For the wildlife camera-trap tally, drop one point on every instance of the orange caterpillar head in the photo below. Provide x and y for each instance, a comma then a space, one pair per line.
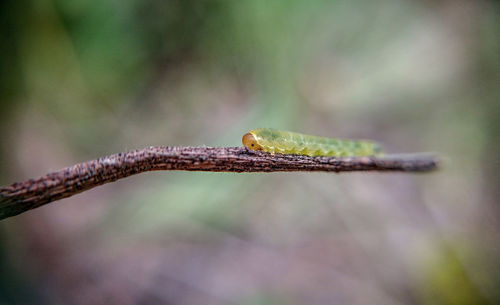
250, 142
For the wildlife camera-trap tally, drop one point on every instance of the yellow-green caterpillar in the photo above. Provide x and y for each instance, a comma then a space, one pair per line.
286, 142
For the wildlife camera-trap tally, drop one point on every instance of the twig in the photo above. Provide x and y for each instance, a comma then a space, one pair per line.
23, 196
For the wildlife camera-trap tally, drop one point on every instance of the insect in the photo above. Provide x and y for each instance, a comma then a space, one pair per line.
286, 142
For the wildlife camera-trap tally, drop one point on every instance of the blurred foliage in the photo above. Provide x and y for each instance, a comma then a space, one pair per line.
81, 79
446, 281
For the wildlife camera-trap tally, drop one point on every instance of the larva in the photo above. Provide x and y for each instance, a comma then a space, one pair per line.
286, 142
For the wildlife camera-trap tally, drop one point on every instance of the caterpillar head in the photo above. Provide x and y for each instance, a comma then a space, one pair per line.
250, 142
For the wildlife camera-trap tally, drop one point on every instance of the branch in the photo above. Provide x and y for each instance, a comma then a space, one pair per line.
23, 196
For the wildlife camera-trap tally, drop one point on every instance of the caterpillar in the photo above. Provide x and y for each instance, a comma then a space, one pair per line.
285, 142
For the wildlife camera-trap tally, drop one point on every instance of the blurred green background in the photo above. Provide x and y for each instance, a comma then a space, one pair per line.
82, 79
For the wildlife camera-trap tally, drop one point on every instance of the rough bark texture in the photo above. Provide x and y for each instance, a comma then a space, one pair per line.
23, 196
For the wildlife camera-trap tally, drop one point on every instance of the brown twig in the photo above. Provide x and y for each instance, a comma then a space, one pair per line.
23, 196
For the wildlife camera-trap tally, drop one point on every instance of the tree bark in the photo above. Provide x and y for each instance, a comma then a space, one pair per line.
23, 196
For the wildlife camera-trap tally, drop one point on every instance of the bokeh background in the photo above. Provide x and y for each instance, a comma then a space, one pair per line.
82, 79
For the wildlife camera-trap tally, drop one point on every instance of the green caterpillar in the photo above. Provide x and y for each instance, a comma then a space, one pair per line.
286, 142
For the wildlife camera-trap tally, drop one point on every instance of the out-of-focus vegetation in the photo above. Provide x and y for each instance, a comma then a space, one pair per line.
81, 79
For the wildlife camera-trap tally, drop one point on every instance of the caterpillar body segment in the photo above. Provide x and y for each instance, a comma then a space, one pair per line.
286, 142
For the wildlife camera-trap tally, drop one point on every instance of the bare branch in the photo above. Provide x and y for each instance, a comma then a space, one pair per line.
23, 196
